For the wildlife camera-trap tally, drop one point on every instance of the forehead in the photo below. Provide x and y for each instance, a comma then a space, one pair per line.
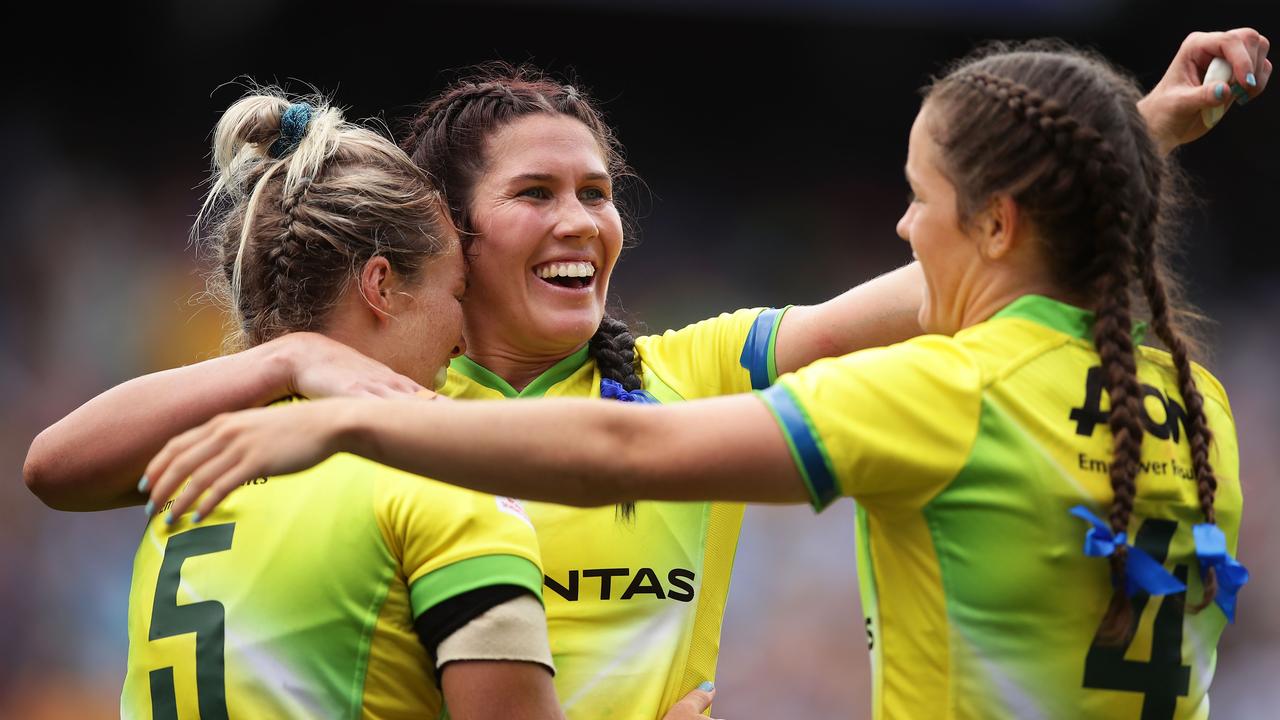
542, 143
921, 147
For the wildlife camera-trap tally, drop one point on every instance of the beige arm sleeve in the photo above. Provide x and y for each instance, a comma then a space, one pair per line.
515, 630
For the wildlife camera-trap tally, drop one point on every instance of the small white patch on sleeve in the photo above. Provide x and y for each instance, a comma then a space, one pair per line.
511, 506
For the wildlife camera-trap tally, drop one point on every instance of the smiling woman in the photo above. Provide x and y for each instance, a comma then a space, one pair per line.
547, 235
634, 598
972, 455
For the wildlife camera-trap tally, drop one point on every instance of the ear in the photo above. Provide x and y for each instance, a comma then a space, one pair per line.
997, 227
375, 289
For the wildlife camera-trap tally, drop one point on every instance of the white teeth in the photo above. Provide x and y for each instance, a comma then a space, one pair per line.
565, 269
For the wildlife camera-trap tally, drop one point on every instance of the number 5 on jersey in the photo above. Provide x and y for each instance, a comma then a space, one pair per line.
204, 618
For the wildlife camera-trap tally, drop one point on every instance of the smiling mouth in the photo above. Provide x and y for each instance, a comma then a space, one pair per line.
571, 275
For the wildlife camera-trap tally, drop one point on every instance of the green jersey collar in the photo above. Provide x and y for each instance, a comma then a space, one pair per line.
1066, 319
556, 373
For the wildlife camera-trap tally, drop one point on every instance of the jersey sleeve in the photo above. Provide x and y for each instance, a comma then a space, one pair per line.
450, 541
731, 353
889, 426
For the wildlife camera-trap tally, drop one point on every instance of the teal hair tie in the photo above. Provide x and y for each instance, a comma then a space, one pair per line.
293, 126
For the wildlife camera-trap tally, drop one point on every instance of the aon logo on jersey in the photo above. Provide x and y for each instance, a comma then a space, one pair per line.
1090, 414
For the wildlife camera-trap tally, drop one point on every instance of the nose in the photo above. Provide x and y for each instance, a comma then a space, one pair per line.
575, 221
904, 225
459, 349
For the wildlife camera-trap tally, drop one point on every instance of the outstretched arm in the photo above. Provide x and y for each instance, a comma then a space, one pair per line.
883, 311
94, 458
576, 452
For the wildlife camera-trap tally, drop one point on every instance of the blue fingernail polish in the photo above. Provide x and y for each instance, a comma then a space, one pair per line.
707, 686
1251, 80
143, 483
168, 518
196, 517
1219, 91
151, 505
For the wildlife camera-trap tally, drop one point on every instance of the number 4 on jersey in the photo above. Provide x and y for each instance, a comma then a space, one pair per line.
204, 618
1163, 678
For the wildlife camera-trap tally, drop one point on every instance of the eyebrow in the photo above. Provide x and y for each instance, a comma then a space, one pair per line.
548, 177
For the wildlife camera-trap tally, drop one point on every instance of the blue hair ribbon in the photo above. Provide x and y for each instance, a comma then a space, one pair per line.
1211, 549
293, 126
612, 390
1142, 572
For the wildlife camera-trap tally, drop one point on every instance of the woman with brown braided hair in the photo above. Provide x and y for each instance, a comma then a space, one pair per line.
635, 596
1040, 203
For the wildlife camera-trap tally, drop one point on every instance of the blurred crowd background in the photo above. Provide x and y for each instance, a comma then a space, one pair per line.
770, 136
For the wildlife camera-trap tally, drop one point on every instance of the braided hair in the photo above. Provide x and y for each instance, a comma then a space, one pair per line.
447, 139
289, 220
1058, 130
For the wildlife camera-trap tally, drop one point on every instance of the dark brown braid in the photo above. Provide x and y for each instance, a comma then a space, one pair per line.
448, 140
1104, 185
613, 348
1059, 132
1152, 273
1112, 334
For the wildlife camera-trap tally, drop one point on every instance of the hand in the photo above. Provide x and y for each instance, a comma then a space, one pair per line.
1172, 108
321, 367
692, 706
234, 448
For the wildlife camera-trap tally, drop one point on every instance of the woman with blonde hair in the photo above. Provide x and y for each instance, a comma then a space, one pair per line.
981, 455
352, 589
635, 595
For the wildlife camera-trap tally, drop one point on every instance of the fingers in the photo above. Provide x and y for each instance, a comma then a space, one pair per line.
200, 457
203, 477
1263, 73
197, 453
222, 486
1235, 50
694, 704
1246, 50
162, 479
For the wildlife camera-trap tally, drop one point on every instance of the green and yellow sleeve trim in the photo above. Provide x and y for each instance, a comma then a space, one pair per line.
758, 352
466, 575
806, 446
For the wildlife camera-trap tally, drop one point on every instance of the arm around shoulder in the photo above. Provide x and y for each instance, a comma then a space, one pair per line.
879, 312
93, 458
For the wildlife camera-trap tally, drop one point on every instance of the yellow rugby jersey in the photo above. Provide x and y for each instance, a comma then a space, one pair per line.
964, 455
296, 598
634, 608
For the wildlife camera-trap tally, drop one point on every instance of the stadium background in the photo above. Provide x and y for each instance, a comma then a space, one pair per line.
770, 134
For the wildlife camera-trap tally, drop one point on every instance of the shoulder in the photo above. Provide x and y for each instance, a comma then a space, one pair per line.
931, 376
1001, 346
729, 353
1210, 387
927, 356
737, 323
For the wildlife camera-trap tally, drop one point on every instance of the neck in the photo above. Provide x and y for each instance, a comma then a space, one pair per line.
993, 297
517, 368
